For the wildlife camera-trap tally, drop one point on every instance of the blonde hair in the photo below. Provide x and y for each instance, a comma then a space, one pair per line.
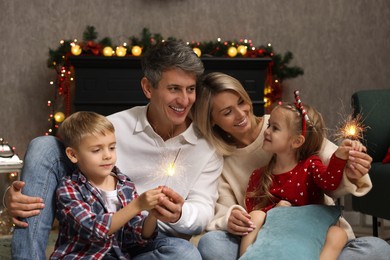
81, 124
211, 85
314, 138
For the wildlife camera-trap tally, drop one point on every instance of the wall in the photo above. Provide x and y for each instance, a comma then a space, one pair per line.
342, 45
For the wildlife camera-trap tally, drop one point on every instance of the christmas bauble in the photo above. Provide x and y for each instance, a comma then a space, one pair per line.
242, 49
107, 51
59, 117
120, 51
136, 50
76, 50
232, 51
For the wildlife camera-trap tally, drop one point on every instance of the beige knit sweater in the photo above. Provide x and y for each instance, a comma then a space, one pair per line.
239, 166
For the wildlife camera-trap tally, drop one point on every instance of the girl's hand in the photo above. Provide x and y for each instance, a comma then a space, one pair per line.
283, 203
239, 223
348, 145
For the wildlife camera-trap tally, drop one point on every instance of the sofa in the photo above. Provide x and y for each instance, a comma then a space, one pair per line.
374, 107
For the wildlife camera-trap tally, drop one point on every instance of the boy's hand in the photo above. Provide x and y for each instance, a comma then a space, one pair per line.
149, 199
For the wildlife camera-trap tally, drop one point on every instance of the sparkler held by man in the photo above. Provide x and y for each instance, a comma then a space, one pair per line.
171, 169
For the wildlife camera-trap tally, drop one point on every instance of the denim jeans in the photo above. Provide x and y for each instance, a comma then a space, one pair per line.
223, 245
165, 247
45, 164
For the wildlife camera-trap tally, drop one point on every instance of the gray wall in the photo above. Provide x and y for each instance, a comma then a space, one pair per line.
342, 45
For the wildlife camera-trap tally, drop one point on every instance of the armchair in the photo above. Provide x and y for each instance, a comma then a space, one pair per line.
374, 106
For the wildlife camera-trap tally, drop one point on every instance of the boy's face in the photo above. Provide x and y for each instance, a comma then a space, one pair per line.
95, 156
171, 101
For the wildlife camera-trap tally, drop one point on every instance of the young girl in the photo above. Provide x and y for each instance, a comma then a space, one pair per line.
295, 175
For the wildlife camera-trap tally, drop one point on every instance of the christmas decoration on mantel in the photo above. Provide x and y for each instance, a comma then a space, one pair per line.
278, 71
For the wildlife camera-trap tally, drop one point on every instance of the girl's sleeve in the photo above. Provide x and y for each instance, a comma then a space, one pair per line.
358, 187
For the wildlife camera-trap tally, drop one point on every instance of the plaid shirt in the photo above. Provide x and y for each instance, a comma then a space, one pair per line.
85, 221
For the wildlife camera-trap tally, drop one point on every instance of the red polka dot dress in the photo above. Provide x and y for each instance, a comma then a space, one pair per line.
302, 185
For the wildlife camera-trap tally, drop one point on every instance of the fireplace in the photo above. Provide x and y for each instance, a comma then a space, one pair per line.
110, 84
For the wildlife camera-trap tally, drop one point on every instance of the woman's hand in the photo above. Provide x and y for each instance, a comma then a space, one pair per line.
358, 164
239, 223
21, 206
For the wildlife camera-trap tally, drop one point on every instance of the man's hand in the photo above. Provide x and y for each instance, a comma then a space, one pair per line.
21, 206
240, 223
169, 208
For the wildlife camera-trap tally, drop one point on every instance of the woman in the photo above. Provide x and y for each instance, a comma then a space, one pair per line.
224, 115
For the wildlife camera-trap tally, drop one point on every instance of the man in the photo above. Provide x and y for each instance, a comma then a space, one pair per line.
149, 139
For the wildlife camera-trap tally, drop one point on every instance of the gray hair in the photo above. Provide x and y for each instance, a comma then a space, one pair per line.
167, 55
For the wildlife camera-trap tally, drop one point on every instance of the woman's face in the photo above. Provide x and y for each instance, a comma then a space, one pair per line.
230, 112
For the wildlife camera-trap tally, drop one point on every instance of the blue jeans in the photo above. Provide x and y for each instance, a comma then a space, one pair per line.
166, 247
45, 164
223, 245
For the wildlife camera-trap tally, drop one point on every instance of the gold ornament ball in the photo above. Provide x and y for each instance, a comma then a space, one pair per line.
232, 51
136, 50
59, 117
197, 51
120, 51
242, 49
108, 51
76, 50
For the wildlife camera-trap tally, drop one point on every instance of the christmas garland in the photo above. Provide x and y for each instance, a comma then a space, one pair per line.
279, 68
229, 49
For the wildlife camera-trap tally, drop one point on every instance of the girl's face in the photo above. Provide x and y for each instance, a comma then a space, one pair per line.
230, 112
278, 137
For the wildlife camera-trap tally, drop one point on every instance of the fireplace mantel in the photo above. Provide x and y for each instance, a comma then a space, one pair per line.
110, 84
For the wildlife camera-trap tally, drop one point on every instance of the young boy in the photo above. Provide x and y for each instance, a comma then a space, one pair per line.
97, 206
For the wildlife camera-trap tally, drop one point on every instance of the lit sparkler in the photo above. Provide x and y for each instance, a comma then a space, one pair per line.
171, 169
352, 128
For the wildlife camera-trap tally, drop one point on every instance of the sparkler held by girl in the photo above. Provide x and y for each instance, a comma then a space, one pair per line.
351, 128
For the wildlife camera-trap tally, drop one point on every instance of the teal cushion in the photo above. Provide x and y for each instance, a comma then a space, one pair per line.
293, 233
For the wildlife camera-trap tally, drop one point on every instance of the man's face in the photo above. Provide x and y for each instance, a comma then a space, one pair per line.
172, 99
